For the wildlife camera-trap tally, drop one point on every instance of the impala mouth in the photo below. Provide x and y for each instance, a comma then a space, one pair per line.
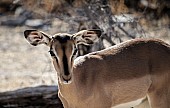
66, 79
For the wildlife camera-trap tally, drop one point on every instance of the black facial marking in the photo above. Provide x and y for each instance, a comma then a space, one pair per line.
62, 39
65, 63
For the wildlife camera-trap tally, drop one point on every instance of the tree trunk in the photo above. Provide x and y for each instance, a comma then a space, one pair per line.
32, 97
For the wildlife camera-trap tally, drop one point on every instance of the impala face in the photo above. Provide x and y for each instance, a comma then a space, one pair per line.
63, 48
63, 51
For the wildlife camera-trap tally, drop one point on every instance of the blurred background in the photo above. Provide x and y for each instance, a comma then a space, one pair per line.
22, 65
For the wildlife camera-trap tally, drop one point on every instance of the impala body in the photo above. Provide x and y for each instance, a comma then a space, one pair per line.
120, 74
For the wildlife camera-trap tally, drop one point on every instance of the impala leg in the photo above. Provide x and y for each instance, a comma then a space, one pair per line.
159, 92
144, 104
158, 99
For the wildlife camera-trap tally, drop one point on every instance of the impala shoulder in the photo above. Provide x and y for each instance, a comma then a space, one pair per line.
79, 61
82, 60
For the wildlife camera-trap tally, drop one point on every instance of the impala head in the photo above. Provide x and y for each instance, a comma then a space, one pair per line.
63, 48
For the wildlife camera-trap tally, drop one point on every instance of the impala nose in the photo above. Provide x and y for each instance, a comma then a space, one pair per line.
66, 78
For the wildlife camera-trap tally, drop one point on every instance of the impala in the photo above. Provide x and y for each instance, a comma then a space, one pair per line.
120, 74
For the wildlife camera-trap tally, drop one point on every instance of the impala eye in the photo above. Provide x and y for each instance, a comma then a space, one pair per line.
53, 55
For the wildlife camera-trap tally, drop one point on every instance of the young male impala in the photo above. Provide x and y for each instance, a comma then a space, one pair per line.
120, 74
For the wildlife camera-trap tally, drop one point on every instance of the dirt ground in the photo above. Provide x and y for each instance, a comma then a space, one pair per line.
22, 65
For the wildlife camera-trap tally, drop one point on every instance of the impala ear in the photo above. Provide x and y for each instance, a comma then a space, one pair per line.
87, 36
35, 37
